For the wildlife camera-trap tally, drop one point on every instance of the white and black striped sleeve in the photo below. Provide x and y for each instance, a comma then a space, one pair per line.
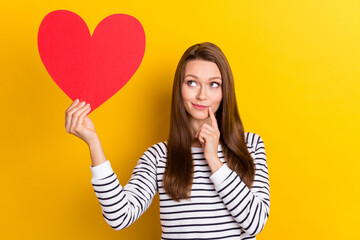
121, 206
250, 208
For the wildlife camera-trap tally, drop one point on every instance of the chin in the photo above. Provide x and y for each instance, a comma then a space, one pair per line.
199, 116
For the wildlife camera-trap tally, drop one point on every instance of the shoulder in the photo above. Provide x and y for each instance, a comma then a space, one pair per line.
154, 154
158, 149
256, 148
253, 140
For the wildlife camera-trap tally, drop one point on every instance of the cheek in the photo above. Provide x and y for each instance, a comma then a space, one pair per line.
186, 94
216, 101
185, 98
183, 95
217, 98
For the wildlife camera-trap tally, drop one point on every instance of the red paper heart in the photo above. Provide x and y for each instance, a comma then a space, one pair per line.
91, 68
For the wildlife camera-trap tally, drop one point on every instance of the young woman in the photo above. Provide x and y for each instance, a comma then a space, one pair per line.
212, 177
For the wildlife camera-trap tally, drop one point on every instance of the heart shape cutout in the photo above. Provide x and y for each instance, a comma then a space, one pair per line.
90, 68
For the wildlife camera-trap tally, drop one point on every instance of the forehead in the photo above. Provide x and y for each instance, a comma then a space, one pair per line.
202, 68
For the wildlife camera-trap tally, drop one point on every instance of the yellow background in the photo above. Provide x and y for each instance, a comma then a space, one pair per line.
296, 67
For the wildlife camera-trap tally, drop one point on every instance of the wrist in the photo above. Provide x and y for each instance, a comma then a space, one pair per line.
96, 152
214, 163
93, 142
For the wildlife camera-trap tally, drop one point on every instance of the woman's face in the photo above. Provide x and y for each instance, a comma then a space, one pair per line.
202, 88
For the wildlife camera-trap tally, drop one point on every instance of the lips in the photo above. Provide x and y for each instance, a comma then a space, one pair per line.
200, 107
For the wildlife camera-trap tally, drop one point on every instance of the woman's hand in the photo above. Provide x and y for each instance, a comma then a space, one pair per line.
209, 138
78, 123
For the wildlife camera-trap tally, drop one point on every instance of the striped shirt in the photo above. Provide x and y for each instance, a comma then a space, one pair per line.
221, 205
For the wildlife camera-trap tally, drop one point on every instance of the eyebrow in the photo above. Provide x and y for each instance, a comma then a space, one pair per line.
190, 75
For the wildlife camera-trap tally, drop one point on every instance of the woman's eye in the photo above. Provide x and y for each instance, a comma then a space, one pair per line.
191, 83
215, 84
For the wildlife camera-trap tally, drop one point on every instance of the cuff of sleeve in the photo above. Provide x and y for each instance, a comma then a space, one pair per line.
220, 175
102, 170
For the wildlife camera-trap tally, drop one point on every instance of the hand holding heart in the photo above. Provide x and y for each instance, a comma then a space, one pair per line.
78, 123
209, 138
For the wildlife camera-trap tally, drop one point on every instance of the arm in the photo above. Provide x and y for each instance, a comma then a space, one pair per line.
121, 206
249, 207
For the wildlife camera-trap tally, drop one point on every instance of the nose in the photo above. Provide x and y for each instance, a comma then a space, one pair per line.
202, 94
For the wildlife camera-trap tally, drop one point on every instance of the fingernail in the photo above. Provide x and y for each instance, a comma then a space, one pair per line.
76, 100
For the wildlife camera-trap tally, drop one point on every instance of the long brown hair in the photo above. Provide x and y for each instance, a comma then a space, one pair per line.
178, 173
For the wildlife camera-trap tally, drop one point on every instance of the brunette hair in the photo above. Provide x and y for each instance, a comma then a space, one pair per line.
178, 175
